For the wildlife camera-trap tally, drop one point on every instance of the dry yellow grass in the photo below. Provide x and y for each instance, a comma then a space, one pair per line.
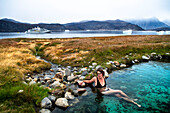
15, 62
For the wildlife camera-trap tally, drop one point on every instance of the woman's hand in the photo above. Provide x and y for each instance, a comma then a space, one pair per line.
80, 82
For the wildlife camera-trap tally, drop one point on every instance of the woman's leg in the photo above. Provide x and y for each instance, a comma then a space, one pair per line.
120, 94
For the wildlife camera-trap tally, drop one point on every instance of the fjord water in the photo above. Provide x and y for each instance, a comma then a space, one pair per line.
147, 82
71, 34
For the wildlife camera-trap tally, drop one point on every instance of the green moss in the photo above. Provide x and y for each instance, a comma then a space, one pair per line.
21, 102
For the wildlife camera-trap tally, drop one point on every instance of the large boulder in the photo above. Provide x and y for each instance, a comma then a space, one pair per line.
46, 103
68, 95
62, 102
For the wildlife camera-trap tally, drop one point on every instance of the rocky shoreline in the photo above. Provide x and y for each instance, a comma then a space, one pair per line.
62, 82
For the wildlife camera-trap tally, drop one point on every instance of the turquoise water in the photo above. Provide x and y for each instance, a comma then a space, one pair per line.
147, 82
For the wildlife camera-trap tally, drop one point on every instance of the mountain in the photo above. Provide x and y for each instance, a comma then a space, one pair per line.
9, 25
150, 23
10, 20
167, 22
102, 25
162, 29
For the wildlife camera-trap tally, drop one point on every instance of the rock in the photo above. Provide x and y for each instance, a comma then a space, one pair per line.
94, 64
47, 78
116, 63
67, 72
75, 101
20, 91
46, 103
81, 89
63, 86
83, 69
75, 92
62, 102
55, 84
24, 82
85, 93
45, 111
123, 65
106, 73
123, 87
32, 82
82, 78
71, 78
97, 67
52, 98
35, 79
68, 95
51, 70
84, 73
145, 58
58, 92
108, 63
136, 61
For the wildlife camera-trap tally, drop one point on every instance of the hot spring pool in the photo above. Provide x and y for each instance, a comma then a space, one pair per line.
147, 82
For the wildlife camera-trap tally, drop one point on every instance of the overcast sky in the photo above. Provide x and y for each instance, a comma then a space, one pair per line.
64, 11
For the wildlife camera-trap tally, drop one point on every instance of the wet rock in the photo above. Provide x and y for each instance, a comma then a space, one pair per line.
145, 58
75, 92
46, 103
52, 98
116, 63
81, 89
68, 95
84, 73
32, 82
85, 93
45, 111
136, 61
123, 87
62, 102
123, 65
106, 73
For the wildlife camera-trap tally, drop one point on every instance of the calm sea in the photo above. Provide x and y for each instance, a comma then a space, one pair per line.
71, 34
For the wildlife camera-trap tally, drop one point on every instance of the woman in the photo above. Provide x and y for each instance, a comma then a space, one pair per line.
100, 84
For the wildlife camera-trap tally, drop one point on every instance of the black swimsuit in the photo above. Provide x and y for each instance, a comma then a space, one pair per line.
99, 85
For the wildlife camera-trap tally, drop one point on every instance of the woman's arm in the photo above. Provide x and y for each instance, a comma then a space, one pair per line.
88, 81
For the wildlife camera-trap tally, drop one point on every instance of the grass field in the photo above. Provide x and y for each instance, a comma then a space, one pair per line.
18, 58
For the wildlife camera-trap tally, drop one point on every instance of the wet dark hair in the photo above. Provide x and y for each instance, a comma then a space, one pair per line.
100, 70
